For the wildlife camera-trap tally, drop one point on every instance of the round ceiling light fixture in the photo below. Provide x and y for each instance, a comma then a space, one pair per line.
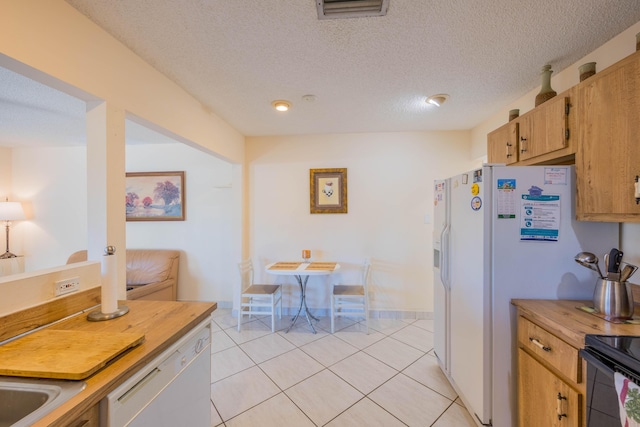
281, 105
438, 99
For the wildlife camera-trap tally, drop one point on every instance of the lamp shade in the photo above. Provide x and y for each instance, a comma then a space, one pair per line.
11, 211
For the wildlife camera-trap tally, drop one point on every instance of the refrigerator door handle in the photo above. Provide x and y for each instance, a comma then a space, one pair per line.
444, 256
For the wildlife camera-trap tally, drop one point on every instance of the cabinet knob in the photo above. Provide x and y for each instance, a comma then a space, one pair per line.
508, 151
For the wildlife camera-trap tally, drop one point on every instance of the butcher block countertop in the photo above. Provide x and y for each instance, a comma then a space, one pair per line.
161, 322
563, 318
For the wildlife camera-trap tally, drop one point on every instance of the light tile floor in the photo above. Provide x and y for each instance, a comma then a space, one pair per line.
387, 378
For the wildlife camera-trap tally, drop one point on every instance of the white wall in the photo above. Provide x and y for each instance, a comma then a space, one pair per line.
54, 44
5, 173
38, 287
5, 188
52, 184
390, 190
5, 183
209, 238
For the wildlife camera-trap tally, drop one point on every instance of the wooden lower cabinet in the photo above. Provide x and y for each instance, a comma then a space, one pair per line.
545, 400
551, 390
89, 418
550, 334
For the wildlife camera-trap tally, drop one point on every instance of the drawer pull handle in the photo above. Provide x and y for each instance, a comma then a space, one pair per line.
539, 344
559, 407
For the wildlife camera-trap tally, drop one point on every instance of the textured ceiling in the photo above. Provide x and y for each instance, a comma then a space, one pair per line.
368, 74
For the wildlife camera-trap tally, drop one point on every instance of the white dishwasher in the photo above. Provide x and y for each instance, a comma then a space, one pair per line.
173, 390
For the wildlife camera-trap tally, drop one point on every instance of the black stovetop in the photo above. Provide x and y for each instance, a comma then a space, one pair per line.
621, 349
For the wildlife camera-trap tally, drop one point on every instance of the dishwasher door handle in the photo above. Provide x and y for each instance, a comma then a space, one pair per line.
132, 391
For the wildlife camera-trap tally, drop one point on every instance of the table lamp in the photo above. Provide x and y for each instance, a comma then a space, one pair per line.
10, 211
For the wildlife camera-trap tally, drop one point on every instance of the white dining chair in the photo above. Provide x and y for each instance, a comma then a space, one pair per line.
352, 300
257, 298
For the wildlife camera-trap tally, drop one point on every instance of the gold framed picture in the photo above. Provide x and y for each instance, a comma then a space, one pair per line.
155, 196
328, 190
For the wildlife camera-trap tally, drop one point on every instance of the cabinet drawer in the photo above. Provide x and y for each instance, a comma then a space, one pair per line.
550, 349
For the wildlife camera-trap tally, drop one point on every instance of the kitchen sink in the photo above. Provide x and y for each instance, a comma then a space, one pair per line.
25, 400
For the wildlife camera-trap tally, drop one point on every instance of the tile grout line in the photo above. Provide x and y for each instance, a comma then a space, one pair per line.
442, 414
283, 391
425, 385
328, 367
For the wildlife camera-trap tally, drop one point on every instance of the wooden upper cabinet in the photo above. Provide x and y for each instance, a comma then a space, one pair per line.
542, 135
545, 130
502, 144
608, 157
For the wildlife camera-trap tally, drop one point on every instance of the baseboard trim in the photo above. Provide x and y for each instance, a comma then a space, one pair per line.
325, 312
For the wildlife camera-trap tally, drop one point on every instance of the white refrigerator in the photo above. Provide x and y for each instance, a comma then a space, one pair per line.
501, 233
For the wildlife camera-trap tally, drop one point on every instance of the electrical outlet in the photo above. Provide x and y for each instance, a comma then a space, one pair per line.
66, 286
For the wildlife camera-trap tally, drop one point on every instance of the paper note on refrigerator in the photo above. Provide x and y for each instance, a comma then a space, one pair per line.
506, 198
556, 176
540, 217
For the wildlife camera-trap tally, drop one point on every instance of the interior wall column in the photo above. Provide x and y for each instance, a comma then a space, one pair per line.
106, 185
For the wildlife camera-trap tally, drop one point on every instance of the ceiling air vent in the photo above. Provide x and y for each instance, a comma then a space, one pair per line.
335, 9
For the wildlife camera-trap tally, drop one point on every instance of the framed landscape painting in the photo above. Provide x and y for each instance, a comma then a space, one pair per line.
328, 191
155, 196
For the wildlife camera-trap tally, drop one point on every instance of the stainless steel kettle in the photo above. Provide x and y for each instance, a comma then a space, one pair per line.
613, 298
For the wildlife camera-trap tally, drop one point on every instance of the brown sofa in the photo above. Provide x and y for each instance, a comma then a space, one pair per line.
152, 274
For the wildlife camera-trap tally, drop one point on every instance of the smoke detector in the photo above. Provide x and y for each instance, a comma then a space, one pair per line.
336, 9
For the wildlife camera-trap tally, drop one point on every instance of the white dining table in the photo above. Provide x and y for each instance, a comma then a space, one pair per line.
301, 271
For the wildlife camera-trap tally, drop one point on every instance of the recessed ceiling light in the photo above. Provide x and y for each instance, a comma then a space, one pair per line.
281, 105
437, 100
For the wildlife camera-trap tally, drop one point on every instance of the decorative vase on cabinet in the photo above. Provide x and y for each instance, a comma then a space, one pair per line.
587, 70
546, 93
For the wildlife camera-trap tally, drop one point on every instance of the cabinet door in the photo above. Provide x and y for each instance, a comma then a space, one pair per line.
608, 157
544, 129
544, 400
502, 144
89, 418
